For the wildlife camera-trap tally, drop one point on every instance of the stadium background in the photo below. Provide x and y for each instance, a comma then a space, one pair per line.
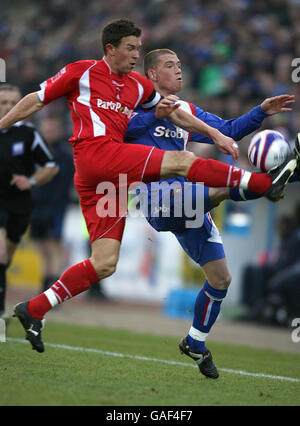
234, 53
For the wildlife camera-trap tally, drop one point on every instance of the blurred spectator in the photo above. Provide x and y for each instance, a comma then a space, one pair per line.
283, 296
51, 202
271, 289
25, 162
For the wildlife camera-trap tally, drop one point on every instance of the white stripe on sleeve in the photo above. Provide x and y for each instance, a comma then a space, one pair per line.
38, 141
153, 102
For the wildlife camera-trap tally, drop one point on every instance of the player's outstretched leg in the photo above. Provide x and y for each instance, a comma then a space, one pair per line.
32, 326
73, 281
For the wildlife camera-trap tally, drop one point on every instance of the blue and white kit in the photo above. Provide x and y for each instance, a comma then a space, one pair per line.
203, 244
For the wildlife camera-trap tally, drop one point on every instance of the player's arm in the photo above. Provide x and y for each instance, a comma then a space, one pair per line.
235, 128
44, 175
168, 108
62, 84
192, 124
24, 108
244, 125
40, 177
142, 120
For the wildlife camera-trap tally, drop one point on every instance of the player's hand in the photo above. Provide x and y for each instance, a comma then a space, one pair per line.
166, 106
226, 145
277, 104
21, 182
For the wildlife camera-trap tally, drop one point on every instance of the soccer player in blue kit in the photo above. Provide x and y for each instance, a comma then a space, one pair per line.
203, 244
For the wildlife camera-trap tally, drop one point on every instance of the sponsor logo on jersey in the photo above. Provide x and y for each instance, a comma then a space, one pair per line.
58, 75
115, 106
168, 133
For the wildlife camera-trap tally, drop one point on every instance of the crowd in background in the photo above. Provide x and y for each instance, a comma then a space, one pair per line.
234, 53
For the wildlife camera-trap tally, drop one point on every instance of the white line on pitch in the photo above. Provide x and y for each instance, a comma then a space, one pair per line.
163, 361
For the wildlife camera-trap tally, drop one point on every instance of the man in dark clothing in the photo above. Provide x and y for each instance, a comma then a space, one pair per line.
284, 286
51, 202
271, 292
25, 161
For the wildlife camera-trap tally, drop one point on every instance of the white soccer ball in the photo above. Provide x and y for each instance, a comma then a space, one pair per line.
267, 150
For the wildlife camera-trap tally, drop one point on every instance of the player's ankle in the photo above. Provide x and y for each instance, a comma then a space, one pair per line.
39, 306
196, 345
259, 183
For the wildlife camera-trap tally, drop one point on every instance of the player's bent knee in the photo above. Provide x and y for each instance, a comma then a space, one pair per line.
177, 163
108, 270
105, 255
105, 268
220, 281
105, 271
223, 282
184, 161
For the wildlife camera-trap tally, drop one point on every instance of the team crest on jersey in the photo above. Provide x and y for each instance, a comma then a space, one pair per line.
114, 106
18, 148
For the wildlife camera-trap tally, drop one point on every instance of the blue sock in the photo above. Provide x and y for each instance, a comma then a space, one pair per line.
206, 310
238, 194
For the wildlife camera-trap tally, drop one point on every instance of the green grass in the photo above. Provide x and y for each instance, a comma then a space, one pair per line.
64, 377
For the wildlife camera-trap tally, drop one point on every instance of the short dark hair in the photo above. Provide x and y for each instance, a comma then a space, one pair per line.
9, 87
151, 58
114, 31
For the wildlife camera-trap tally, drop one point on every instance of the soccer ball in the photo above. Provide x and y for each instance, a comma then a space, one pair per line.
267, 150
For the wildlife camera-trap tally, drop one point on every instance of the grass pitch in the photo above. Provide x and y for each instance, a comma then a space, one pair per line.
141, 370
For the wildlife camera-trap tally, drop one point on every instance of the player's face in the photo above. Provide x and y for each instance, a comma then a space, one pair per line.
126, 55
8, 99
168, 75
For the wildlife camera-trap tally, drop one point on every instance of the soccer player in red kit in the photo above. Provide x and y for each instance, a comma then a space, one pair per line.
102, 95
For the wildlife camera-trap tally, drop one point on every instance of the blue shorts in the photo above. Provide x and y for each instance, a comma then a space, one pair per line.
202, 244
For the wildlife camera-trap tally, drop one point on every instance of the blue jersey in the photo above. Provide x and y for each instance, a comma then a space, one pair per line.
145, 129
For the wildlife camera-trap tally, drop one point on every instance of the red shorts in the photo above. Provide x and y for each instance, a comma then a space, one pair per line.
103, 172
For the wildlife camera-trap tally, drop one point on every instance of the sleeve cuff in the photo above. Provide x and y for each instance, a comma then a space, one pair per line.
41, 92
260, 112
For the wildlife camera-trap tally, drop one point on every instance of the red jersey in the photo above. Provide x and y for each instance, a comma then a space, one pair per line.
101, 101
